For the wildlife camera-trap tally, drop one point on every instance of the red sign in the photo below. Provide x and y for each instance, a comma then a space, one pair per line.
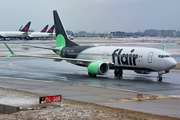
49, 99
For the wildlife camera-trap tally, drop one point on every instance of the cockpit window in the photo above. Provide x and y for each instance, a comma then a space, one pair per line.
164, 56
167, 56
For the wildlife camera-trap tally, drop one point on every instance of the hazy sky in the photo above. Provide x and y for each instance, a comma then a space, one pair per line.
92, 15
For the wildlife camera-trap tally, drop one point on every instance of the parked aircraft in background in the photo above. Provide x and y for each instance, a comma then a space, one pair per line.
51, 30
21, 28
100, 59
42, 35
37, 33
45, 28
16, 34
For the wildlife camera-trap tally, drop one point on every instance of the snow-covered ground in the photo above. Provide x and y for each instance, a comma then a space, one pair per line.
70, 110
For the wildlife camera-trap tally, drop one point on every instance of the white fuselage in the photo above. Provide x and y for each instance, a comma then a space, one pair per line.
41, 35
10, 34
130, 57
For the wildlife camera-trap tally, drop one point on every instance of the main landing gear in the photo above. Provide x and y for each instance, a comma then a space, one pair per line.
91, 75
118, 72
159, 78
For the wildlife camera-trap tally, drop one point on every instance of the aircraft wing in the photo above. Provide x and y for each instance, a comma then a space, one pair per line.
75, 61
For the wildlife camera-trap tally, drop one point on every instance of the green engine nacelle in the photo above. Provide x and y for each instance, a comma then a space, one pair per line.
98, 68
142, 71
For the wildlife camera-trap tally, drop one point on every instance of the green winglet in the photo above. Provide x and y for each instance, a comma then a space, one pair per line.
164, 47
12, 53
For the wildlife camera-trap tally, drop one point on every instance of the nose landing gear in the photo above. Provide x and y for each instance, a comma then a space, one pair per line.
159, 78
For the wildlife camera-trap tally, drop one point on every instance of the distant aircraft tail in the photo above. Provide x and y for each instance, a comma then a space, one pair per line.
26, 27
44, 29
164, 47
20, 28
61, 36
51, 30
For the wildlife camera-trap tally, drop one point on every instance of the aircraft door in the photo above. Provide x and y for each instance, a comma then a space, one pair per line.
150, 57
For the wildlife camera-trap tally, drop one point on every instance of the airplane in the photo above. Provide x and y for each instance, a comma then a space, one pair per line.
42, 31
100, 59
37, 35
16, 34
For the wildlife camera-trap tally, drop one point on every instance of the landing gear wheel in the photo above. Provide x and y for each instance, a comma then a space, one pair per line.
118, 72
159, 78
91, 75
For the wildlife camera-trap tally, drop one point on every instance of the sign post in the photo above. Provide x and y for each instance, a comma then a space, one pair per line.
50, 99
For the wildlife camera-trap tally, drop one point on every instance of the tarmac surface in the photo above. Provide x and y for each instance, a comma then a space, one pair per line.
46, 76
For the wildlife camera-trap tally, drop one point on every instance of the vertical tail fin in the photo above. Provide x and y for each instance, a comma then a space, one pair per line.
60, 32
26, 27
51, 30
20, 28
44, 29
164, 47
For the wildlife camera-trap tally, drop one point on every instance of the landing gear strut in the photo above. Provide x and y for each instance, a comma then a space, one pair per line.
91, 75
118, 72
159, 78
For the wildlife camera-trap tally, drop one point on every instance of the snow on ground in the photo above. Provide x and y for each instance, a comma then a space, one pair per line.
17, 98
70, 109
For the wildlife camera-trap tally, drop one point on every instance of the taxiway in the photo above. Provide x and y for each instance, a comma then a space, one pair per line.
46, 76
50, 77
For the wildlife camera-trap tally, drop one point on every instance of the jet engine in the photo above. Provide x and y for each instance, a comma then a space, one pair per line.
98, 68
142, 71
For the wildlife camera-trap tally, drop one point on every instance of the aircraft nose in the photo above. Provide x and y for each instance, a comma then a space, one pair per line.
172, 63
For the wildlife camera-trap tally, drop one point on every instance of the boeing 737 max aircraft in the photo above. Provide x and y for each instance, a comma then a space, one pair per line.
100, 59
15, 34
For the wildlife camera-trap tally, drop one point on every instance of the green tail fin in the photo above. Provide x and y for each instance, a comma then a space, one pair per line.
60, 30
60, 41
12, 53
164, 47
